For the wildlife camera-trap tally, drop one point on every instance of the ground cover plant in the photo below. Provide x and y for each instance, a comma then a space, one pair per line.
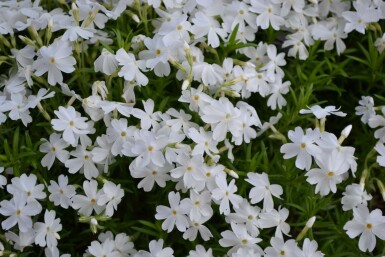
197, 128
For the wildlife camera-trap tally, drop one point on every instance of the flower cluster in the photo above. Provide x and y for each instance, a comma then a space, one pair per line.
177, 96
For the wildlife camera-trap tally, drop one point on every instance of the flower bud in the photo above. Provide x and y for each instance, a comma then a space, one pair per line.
310, 222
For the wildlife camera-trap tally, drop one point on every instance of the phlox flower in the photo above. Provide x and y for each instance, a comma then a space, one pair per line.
303, 147
199, 205
22, 240
380, 148
224, 194
368, 225
365, 13
83, 162
276, 219
122, 242
281, 248
309, 249
200, 251
148, 149
151, 174
320, 112
223, 117
19, 212
195, 98
332, 32
269, 14
148, 118
105, 249
196, 225
378, 121
331, 172
3, 180
118, 133
238, 237
354, 195
112, 196
47, 232
277, 90
54, 59
55, 148
71, 123
61, 192
272, 68
86, 204
106, 63
131, 68
156, 249
26, 185
246, 252
205, 25
173, 215
365, 108
204, 141
247, 215
156, 56
190, 170
263, 190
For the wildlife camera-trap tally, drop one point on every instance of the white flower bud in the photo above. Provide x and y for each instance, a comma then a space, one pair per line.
310, 222
346, 131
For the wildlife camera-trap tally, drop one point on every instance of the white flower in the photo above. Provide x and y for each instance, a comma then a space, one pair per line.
106, 63
223, 117
112, 196
224, 194
262, 190
22, 240
149, 148
86, 204
197, 226
54, 59
148, 118
190, 170
309, 249
83, 162
204, 141
3, 180
238, 237
173, 215
105, 249
380, 148
151, 174
47, 232
269, 14
303, 147
320, 112
131, 67
248, 215
61, 193
156, 250
55, 148
71, 123
26, 185
19, 212
276, 219
200, 251
365, 108
368, 225
281, 248
199, 205
277, 90
205, 25
354, 195
331, 172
